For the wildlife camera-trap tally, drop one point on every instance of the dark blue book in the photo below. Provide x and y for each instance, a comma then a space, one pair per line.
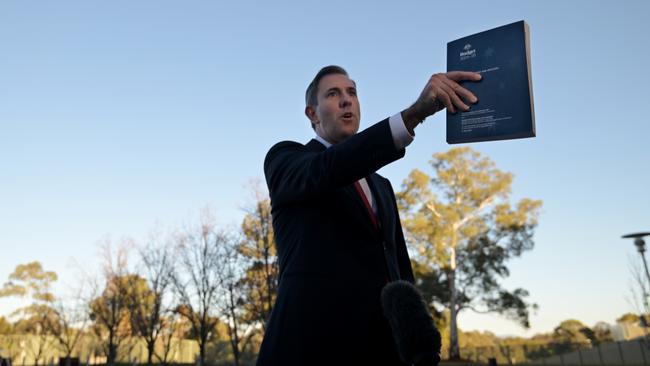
505, 93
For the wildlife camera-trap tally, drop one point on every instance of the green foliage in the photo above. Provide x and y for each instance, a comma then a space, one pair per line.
140, 303
5, 326
567, 336
570, 335
30, 280
464, 229
602, 333
628, 318
40, 320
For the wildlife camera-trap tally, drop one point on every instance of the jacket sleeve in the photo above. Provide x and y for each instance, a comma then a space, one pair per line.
294, 173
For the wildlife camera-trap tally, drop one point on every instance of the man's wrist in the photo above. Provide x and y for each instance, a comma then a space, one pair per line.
411, 119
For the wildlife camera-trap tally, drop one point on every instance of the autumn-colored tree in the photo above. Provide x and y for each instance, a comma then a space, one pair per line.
260, 281
110, 313
464, 229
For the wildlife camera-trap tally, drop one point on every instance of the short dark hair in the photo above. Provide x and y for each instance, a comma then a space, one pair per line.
311, 95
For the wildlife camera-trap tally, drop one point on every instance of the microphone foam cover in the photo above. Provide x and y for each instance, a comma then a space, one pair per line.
418, 340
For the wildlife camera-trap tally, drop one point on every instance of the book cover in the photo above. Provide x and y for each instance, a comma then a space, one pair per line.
505, 107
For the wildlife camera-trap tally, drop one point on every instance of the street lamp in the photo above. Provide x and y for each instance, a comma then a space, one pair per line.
640, 247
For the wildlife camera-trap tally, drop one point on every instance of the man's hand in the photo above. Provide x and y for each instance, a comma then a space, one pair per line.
442, 91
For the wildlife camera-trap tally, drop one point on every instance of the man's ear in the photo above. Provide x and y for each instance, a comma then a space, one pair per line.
310, 112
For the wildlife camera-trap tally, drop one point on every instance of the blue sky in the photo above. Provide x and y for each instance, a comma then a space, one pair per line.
116, 116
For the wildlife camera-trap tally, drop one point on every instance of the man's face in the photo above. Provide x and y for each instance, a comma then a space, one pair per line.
337, 114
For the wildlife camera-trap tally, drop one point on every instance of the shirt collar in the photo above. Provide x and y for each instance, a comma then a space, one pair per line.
323, 141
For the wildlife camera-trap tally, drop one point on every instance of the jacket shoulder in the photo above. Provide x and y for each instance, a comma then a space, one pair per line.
283, 146
384, 180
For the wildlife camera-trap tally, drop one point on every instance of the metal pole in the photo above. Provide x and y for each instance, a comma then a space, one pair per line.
645, 264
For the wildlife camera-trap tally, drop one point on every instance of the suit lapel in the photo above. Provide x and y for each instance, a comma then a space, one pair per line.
385, 216
385, 211
379, 195
349, 190
360, 206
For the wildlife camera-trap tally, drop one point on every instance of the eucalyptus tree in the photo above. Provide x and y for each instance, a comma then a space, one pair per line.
464, 229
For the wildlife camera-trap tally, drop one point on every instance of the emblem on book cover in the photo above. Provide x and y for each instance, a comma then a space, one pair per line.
468, 52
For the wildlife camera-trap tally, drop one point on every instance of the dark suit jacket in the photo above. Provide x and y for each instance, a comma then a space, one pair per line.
333, 261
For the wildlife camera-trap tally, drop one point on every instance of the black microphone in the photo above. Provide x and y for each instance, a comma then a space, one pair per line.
417, 339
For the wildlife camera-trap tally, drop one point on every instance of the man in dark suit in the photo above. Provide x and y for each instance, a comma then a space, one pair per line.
337, 229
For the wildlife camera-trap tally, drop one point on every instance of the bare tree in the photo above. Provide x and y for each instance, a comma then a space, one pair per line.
640, 293
173, 331
639, 288
240, 331
37, 326
197, 279
147, 309
68, 323
109, 307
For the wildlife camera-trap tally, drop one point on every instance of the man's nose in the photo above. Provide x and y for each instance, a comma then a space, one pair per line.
345, 101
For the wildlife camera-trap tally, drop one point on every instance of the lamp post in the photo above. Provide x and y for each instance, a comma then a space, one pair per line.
640, 247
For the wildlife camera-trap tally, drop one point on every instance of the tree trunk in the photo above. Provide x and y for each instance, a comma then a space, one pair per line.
454, 350
236, 356
234, 331
202, 353
150, 350
112, 353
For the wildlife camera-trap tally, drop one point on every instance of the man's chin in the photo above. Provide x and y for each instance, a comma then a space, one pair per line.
344, 136
352, 128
